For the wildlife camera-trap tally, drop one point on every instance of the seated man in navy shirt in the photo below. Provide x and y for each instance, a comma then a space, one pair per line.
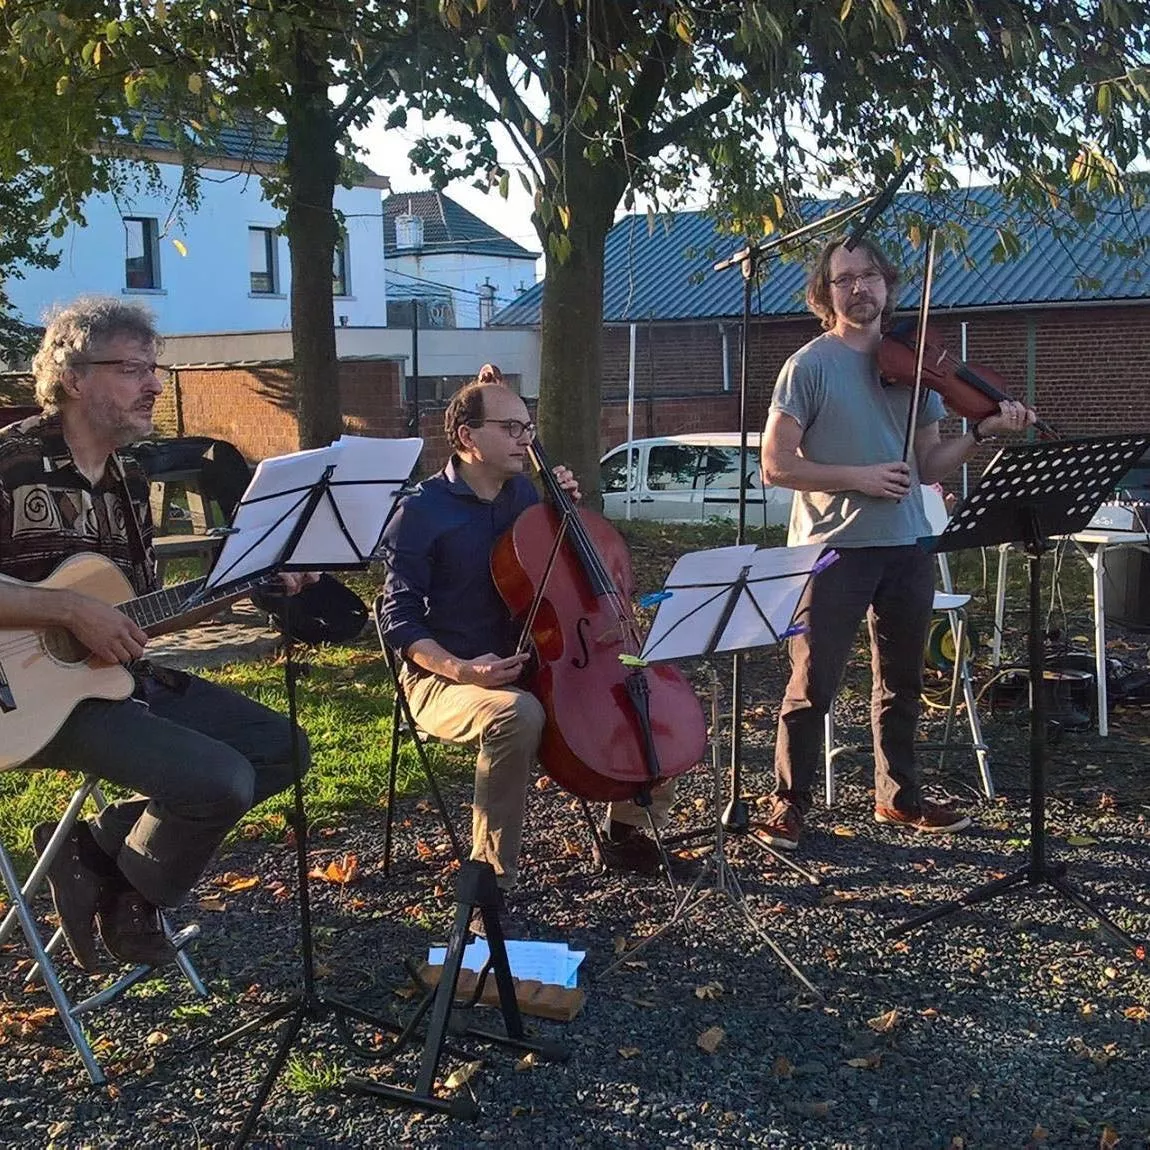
442, 613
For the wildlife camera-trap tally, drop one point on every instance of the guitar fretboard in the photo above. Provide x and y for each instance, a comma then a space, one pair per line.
160, 606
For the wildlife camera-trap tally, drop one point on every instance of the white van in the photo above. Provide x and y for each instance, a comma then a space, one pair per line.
689, 479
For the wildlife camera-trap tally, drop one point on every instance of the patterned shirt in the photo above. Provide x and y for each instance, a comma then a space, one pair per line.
50, 511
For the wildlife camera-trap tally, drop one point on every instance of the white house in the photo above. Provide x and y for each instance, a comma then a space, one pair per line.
219, 268
450, 265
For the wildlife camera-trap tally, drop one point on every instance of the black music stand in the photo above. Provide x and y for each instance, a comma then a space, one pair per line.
729, 600
322, 509
1029, 492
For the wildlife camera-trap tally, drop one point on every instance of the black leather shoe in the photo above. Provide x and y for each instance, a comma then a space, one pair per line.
627, 848
131, 929
77, 888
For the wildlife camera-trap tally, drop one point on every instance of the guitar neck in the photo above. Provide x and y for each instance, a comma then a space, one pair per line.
170, 603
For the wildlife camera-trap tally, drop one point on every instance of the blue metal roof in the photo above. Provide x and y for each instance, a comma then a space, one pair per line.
447, 227
665, 272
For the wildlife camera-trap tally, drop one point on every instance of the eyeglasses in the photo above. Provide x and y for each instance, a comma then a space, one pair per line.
514, 427
847, 282
137, 369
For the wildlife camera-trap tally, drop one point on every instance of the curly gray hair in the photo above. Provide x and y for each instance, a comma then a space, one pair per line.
73, 332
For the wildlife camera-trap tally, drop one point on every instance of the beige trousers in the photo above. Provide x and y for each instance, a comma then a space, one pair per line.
507, 724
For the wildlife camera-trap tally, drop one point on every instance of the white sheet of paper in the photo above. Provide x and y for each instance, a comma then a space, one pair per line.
700, 584
367, 474
552, 963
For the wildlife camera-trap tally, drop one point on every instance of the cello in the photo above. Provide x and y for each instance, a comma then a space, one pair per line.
614, 727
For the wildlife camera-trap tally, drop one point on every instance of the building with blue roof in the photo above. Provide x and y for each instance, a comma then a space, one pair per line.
1066, 322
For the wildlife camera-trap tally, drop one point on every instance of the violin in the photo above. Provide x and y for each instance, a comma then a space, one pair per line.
969, 390
613, 729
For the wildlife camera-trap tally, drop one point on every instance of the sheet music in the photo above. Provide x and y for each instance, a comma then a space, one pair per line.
768, 582
551, 963
366, 475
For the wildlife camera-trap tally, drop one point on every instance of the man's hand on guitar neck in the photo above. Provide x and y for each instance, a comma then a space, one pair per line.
108, 633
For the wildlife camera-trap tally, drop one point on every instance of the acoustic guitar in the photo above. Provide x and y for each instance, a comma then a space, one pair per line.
45, 672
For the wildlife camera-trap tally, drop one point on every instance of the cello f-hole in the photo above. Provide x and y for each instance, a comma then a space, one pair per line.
580, 662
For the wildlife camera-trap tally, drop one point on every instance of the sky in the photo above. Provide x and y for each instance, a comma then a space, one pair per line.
386, 154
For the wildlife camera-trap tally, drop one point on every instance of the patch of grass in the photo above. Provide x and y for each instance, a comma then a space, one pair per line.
310, 1074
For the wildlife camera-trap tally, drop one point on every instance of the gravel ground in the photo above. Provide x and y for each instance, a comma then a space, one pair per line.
1014, 1024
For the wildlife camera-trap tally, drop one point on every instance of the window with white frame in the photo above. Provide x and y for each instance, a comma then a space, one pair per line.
340, 279
263, 260
141, 254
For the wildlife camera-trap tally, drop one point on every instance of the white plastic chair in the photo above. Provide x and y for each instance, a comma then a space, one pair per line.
953, 604
43, 968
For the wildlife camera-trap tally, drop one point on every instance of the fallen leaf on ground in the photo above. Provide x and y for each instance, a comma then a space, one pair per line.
709, 991
1038, 1135
234, 883
423, 850
884, 1023
571, 849
542, 783
815, 1109
843, 832
835, 897
462, 1076
520, 1111
635, 964
871, 1061
1109, 1138
629, 1051
619, 944
528, 1062
21, 1023
782, 1067
341, 870
1081, 841
711, 1039
1136, 1013
929, 1012
216, 905
156, 1038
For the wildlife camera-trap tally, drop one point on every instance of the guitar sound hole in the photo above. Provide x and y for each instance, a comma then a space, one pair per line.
61, 644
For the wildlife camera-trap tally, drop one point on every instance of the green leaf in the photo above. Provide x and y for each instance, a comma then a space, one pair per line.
1104, 99
195, 83
504, 184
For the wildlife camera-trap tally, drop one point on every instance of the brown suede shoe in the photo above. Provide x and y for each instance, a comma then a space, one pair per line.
929, 819
131, 929
77, 889
784, 825
627, 848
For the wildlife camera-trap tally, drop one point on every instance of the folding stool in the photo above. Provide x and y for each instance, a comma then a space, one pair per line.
21, 913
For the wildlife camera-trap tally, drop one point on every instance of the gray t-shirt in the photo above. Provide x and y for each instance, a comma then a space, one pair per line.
849, 417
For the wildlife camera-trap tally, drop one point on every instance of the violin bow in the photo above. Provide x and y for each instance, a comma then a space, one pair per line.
920, 345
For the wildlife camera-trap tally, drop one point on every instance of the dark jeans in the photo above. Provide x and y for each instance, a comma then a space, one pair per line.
893, 587
199, 759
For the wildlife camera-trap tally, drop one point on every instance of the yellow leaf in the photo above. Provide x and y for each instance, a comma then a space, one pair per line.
629, 1051
711, 1039
527, 1062
462, 1076
234, 883
845, 11
195, 83
884, 1023
156, 1038
342, 870
843, 832
1081, 841
180, 247
564, 213
62, 85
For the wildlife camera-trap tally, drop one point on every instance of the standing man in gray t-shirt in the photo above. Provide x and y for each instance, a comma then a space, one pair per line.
835, 435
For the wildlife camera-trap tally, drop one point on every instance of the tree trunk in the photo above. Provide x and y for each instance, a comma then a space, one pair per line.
313, 169
571, 351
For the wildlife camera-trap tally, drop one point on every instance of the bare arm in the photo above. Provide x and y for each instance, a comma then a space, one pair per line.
937, 457
485, 671
783, 466
109, 634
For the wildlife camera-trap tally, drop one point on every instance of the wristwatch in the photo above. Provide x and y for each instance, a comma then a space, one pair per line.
978, 436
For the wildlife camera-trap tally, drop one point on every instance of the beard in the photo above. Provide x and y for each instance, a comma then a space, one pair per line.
862, 310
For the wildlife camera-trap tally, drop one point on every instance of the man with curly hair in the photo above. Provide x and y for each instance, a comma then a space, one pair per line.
198, 756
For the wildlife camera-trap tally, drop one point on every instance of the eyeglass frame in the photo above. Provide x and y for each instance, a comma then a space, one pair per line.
507, 424
847, 282
138, 367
